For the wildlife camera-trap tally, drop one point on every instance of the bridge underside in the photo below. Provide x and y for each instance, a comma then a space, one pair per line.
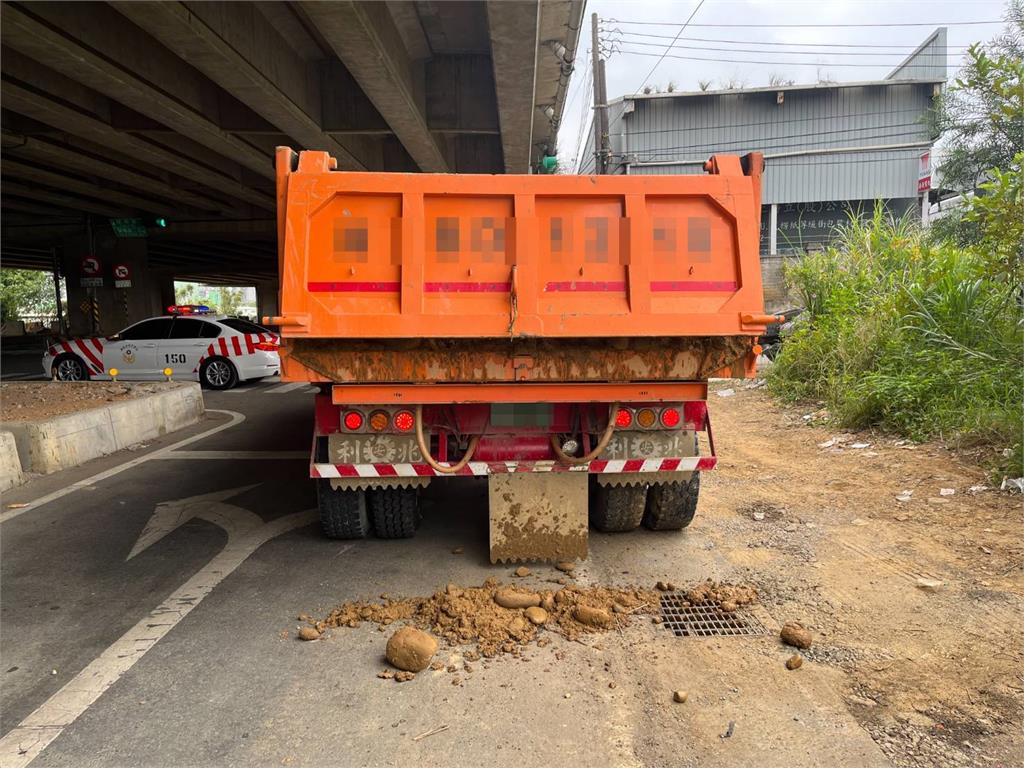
168, 110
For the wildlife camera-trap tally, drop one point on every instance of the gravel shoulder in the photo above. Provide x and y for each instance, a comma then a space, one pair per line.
36, 400
919, 603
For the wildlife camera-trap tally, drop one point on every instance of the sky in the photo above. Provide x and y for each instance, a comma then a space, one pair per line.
827, 52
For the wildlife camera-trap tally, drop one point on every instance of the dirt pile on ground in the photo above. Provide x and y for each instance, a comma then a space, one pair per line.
476, 616
495, 618
30, 401
729, 597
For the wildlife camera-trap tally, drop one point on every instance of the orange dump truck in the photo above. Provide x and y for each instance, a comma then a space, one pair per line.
554, 334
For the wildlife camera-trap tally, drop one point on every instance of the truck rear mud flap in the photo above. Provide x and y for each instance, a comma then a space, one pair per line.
538, 516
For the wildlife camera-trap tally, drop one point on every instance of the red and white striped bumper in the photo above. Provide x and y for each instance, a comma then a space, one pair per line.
617, 466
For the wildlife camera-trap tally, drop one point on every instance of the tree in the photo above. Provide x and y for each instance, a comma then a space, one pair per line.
26, 292
230, 300
981, 116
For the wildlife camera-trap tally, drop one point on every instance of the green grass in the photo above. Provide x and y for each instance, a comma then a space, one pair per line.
913, 336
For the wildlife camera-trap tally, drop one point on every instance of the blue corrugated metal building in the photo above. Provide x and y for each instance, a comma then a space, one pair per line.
829, 147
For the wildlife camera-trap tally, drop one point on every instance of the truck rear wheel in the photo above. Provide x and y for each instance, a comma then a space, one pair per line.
342, 512
671, 506
617, 508
395, 512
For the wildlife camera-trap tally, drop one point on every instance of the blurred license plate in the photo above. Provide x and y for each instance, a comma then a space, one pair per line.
521, 414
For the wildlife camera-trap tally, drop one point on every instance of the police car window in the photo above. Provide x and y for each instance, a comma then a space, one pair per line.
157, 328
184, 328
242, 326
210, 330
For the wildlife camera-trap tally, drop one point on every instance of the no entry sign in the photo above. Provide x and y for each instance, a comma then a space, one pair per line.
122, 276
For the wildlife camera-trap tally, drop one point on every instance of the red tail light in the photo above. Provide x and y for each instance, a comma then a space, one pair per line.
670, 417
404, 421
623, 418
267, 346
353, 420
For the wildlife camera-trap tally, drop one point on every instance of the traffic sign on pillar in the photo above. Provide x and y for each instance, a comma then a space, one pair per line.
122, 276
91, 277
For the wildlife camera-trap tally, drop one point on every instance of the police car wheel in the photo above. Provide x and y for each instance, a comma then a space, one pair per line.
69, 368
218, 373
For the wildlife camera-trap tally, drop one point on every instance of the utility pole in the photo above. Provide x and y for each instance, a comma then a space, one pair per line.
601, 150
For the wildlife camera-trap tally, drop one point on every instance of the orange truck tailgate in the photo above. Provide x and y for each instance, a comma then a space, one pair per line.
372, 256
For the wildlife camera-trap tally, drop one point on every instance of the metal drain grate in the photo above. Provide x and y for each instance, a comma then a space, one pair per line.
707, 620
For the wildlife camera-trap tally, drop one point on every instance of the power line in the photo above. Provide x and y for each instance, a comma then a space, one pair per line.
752, 145
768, 51
824, 159
815, 118
663, 55
814, 26
776, 62
909, 47
584, 113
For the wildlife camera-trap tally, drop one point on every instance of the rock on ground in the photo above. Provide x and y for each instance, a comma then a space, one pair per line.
411, 649
796, 635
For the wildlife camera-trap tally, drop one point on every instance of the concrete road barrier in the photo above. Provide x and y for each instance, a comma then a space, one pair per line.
10, 462
50, 445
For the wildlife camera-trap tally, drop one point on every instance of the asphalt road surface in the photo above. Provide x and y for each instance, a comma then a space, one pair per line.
149, 619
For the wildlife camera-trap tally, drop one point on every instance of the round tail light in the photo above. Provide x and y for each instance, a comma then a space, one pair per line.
670, 417
623, 418
404, 421
379, 421
353, 420
646, 418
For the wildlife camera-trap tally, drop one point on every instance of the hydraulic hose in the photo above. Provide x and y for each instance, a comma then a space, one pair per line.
425, 449
601, 444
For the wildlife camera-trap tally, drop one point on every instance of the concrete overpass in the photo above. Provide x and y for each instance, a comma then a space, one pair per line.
170, 110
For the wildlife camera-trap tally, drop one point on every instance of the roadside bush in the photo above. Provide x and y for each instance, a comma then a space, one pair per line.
918, 337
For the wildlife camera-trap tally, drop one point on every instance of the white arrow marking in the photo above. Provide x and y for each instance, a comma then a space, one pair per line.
170, 515
10, 514
23, 743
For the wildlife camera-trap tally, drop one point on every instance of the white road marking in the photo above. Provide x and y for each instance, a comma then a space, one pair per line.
233, 455
170, 515
272, 387
10, 514
291, 386
23, 376
246, 533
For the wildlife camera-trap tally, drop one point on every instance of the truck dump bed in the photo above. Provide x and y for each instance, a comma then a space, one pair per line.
466, 278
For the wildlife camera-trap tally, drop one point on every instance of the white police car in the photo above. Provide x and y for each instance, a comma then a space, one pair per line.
216, 350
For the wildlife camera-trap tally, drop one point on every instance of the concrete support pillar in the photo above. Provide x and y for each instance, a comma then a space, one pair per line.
106, 309
267, 299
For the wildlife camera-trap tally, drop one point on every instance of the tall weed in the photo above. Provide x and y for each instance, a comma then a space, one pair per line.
914, 336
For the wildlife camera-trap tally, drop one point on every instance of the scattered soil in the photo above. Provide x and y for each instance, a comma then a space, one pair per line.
35, 400
472, 615
762, 510
495, 619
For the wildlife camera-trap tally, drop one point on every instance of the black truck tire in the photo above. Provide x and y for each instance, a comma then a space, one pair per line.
671, 506
342, 512
395, 512
618, 508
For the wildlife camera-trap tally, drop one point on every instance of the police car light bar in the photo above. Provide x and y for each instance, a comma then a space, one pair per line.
188, 309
